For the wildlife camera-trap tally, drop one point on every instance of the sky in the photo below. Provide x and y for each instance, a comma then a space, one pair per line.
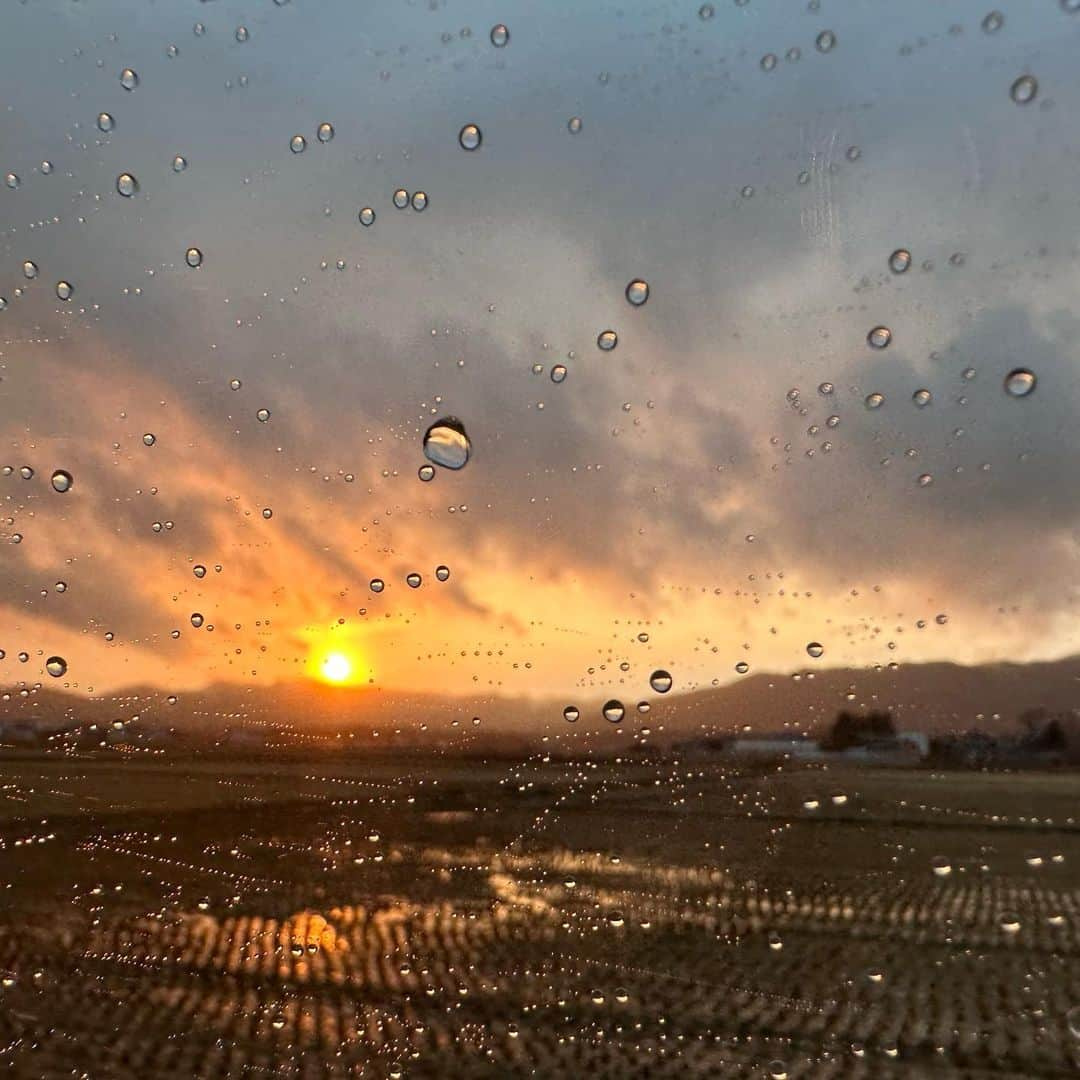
683, 501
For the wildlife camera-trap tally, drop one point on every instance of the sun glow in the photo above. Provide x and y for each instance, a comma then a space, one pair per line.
336, 667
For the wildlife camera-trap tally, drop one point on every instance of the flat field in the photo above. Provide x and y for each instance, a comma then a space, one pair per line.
439, 917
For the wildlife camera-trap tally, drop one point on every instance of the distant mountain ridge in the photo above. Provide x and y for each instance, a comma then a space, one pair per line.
934, 697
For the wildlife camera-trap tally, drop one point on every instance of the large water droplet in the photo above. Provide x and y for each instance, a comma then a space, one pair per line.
442, 573
815, 649
614, 711
470, 137
376, 585
661, 681
419, 200
127, 185
500, 35
56, 666
879, 337
1020, 382
401, 198
571, 714
1024, 90
900, 260
922, 398
30, 270
413, 580
607, 340
875, 400
367, 216
193, 257
447, 444
105, 122
325, 132
637, 292
129, 79
64, 289
62, 480
298, 144
825, 41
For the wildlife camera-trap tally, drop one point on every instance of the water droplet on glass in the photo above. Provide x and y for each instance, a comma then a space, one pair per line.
367, 216
574, 125
419, 200
607, 340
447, 444
401, 198
196, 619
64, 289
1023, 91
413, 580
613, 711
129, 79
993, 21
941, 866
1072, 1017
127, 185
825, 41
325, 132
426, 473
442, 573
62, 480
267, 513
298, 144
742, 667
660, 681
571, 714
879, 337
925, 480
558, 373
900, 260
193, 257
922, 398
56, 666
199, 570
242, 34
875, 400
706, 12
105, 122
500, 35
768, 62
179, 163
149, 439
815, 650
1020, 382
262, 415
470, 137
30, 270
376, 585
637, 292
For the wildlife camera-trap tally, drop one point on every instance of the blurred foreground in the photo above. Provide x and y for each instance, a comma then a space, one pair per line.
423, 917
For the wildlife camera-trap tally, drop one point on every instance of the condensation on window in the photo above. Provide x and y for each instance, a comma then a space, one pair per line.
539, 539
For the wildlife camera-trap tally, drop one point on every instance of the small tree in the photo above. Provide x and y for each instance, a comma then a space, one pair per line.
854, 729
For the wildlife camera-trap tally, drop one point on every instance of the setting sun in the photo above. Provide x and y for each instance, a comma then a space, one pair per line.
336, 667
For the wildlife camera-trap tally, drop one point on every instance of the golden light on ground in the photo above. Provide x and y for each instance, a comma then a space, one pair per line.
336, 667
